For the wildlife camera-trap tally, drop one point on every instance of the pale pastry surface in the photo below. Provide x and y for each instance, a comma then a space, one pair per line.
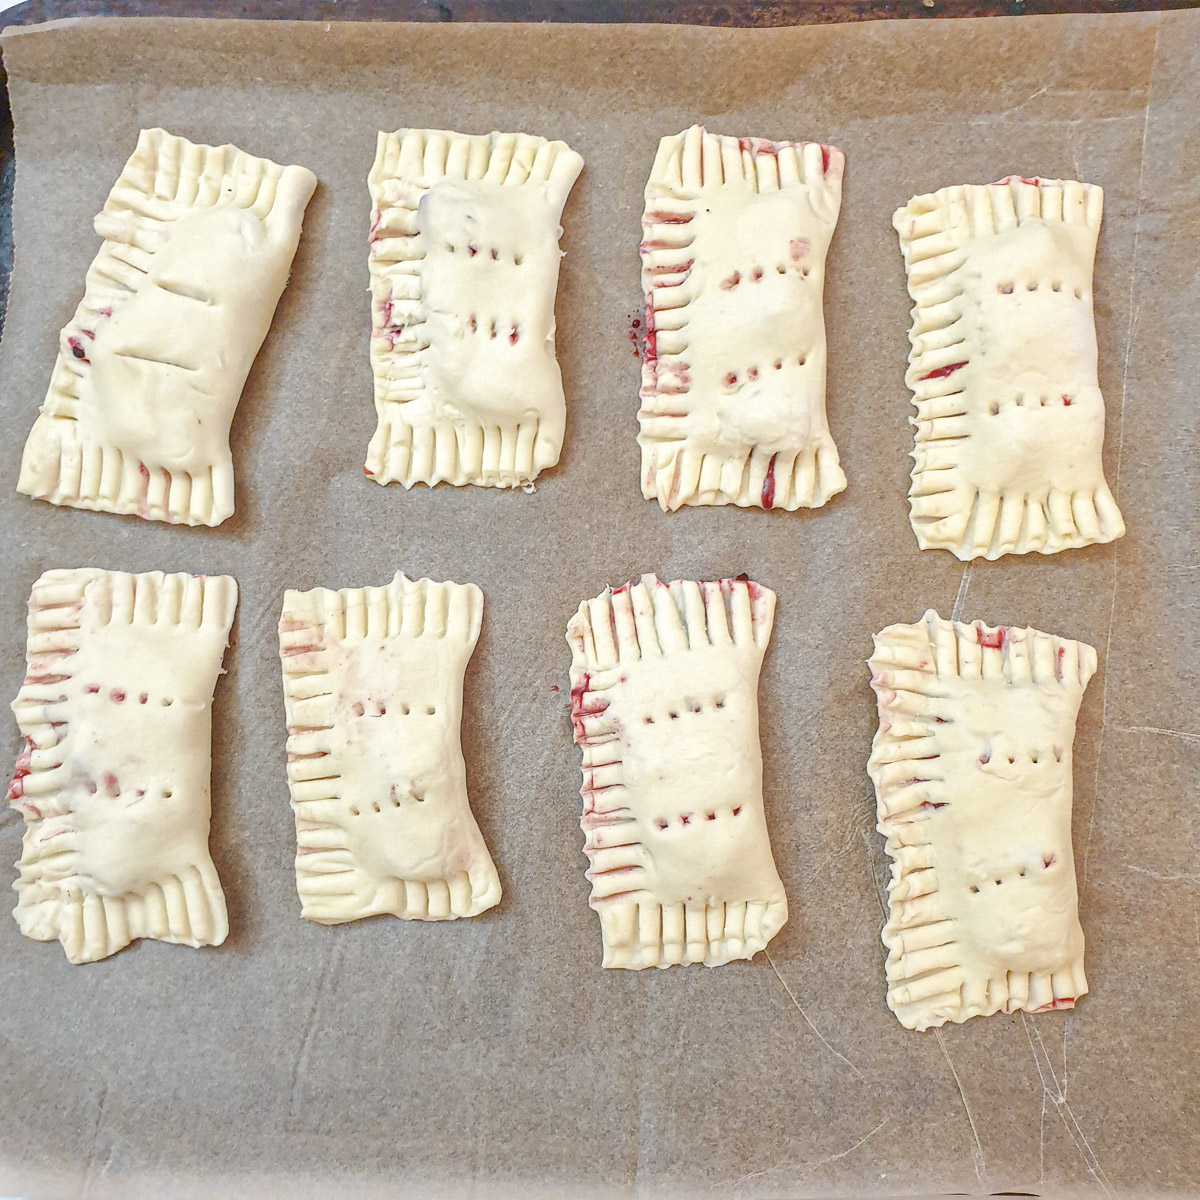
1003, 369
464, 258
114, 782
198, 243
664, 703
373, 683
972, 772
735, 237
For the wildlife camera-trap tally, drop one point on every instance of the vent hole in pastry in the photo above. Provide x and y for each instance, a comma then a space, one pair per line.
804, 273
781, 269
1066, 401
697, 708
779, 364
1021, 872
167, 794
144, 698
1031, 287
999, 882
358, 709
974, 890
353, 811
752, 373
1047, 863
660, 823
674, 716
720, 701
1057, 754
1032, 758
166, 702
383, 710
801, 360
375, 806
91, 787
495, 255
1056, 287
685, 819
430, 710
92, 689
418, 799
518, 259
449, 248
1012, 760
513, 336
710, 816
472, 250
493, 332
648, 720
1005, 289
758, 273
141, 792
117, 696
737, 810
474, 324
1078, 294
984, 759
404, 710
731, 380
995, 408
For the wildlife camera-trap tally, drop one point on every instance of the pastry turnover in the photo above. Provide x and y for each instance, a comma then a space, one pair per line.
735, 235
373, 681
1010, 420
464, 270
113, 783
198, 243
664, 683
972, 772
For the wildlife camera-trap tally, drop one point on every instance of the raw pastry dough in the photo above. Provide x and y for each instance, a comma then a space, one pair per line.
116, 709
664, 683
1010, 420
373, 683
198, 242
733, 364
972, 772
464, 269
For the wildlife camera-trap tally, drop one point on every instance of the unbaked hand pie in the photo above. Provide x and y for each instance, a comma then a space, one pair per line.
735, 235
972, 772
373, 681
464, 270
664, 703
1010, 420
198, 243
113, 783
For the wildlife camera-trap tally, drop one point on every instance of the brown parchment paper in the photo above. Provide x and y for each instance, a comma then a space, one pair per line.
493, 1057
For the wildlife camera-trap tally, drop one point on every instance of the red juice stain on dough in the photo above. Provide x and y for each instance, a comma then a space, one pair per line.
650, 337
77, 348
798, 248
768, 487
1059, 1002
933, 804
669, 218
727, 285
1015, 179
578, 691
16, 787
995, 640
826, 158
943, 372
117, 696
368, 471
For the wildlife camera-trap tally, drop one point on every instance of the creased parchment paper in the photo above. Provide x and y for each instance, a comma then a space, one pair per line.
493, 1057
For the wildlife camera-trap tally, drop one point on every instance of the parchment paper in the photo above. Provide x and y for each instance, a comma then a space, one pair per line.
493, 1057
